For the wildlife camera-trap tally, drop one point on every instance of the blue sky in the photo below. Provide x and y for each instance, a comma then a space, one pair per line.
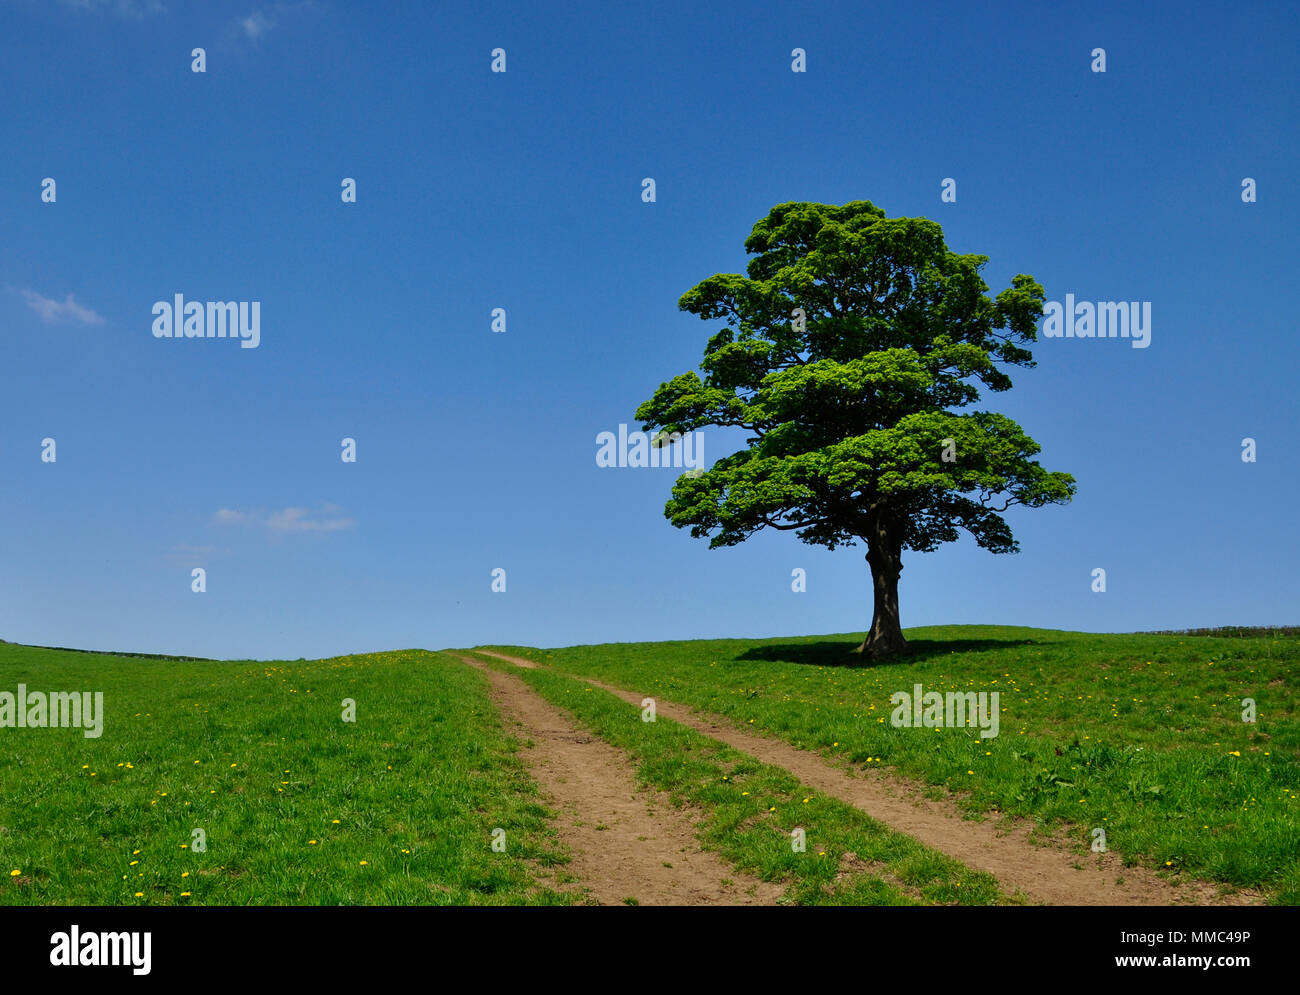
522, 190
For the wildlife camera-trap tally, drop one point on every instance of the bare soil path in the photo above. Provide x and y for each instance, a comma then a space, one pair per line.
625, 844
1044, 874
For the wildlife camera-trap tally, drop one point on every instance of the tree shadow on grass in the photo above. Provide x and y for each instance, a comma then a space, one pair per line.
837, 653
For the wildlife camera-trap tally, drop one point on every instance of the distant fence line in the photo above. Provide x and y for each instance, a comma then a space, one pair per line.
141, 656
1231, 631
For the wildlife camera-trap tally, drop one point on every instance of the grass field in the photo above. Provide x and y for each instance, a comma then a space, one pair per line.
298, 806
1140, 735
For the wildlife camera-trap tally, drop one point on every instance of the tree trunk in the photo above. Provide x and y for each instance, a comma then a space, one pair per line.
885, 557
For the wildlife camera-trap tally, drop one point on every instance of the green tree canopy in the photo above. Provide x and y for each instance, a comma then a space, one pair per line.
847, 355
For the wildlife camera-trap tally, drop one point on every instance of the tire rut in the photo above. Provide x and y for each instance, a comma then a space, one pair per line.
624, 843
1049, 875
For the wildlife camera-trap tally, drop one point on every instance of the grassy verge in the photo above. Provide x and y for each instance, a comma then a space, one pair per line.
296, 805
751, 809
1139, 735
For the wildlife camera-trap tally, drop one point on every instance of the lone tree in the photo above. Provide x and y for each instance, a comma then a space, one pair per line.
845, 352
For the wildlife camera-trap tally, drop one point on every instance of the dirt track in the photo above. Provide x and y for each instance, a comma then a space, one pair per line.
625, 843
1050, 875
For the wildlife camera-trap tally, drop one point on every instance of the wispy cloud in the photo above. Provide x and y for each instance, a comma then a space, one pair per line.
183, 554
297, 520
52, 311
123, 8
257, 24
287, 520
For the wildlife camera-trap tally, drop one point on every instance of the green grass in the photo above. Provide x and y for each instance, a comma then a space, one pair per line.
256, 755
1140, 735
750, 810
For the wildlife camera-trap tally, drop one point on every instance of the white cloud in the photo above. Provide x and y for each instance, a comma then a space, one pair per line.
263, 19
287, 520
256, 24
52, 311
183, 554
296, 520
123, 8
